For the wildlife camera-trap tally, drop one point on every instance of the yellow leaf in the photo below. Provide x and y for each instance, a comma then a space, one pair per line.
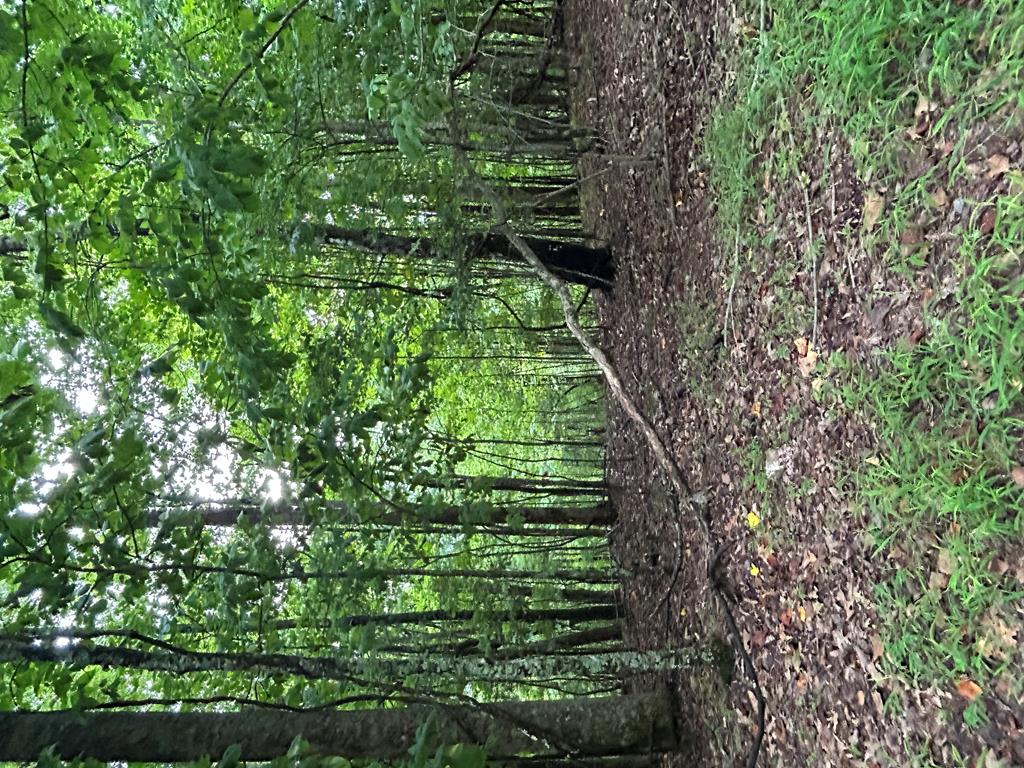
874, 461
755, 571
753, 519
801, 613
802, 345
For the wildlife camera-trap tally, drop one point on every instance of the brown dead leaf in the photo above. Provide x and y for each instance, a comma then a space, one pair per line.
944, 562
939, 198
877, 647
999, 566
998, 638
997, 166
969, 689
802, 345
786, 617
988, 220
1017, 475
938, 581
807, 364
873, 205
756, 408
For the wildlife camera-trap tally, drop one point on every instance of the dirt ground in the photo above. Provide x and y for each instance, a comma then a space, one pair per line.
690, 340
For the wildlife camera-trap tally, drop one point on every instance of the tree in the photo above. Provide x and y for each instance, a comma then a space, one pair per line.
640, 723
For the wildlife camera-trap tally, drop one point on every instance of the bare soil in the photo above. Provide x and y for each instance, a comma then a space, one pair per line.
730, 397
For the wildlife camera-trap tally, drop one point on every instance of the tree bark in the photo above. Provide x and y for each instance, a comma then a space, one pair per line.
637, 723
572, 262
227, 512
605, 612
179, 661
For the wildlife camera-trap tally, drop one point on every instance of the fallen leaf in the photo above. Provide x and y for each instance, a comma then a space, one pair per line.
809, 559
924, 106
817, 385
753, 519
801, 612
802, 346
873, 205
939, 198
755, 571
999, 566
944, 562
969, 689
807, 363
756, 408
786, 617
938, 580
874, 461
988, 221
997, 166
877, 647
1017, 473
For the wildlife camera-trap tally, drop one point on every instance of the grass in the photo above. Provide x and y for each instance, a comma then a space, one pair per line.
950, 414
948, 411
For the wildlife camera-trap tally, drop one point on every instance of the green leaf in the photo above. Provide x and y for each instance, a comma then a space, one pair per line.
165, 171
231, 757
58, 322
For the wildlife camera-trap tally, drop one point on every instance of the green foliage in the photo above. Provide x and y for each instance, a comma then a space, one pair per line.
180, 337
946, 410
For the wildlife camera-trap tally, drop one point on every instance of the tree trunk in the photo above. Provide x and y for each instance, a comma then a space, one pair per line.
638, 723
573, 262
227, 512
605, 612
598, 665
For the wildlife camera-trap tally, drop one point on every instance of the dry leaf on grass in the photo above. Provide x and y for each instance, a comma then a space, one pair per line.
1017, 474
969, 689
877, 647
807, 357
997, 166
944, 562
807, 364
873, 205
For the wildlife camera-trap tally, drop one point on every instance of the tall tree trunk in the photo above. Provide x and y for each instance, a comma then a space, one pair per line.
635, 724
606, 612
573, 262
228, 511
598, 665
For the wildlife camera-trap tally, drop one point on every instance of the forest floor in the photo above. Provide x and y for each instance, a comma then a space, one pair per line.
817, 308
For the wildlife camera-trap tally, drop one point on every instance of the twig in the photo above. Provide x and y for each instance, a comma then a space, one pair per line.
814, 266
478, 35
732, 288
261, 52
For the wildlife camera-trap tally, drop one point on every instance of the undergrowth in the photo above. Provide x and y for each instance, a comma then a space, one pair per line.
948, 412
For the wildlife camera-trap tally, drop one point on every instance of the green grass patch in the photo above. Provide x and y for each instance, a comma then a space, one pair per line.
948, 411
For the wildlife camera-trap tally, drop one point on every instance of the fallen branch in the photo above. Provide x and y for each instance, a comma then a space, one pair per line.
668, 466
661, 453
